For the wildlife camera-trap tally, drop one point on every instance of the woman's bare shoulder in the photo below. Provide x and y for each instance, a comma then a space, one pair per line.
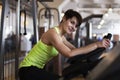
51, 31
50, 35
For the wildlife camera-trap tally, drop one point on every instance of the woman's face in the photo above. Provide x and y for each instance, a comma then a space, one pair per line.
70, 25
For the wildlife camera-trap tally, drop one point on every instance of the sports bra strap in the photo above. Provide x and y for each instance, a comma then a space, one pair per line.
58, 31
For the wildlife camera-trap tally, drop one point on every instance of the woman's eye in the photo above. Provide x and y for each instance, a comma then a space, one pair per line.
73, 22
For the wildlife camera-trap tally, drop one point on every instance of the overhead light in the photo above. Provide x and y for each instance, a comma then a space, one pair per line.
110, 10
99, 26
102, 22
106, 14
94, 35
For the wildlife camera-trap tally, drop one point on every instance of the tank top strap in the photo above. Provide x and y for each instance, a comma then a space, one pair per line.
57, 30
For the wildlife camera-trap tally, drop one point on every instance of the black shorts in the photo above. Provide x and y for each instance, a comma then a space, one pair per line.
34, 73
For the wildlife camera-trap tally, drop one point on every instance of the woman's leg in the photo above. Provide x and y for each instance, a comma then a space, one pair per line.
34, 73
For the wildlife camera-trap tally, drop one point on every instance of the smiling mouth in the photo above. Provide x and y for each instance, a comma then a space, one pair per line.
70, 30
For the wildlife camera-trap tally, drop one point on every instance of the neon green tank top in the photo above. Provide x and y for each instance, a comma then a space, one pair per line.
39, 55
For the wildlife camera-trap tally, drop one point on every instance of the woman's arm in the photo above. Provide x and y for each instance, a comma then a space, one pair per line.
68, 44
56, 40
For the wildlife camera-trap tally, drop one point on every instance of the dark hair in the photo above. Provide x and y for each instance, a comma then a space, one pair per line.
71, 13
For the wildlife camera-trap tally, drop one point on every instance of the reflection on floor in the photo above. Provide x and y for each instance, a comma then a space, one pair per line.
9, 65
9, 71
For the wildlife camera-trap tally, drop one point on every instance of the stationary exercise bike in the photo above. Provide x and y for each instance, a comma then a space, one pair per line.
83, 64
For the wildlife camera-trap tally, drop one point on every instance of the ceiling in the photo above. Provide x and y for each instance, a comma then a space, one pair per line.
86, 4
86, 7
94, 6
109, 8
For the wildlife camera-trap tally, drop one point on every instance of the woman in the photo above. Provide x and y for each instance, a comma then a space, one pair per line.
51, 43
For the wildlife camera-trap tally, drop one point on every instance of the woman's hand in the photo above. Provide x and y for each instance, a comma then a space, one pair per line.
104, 43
